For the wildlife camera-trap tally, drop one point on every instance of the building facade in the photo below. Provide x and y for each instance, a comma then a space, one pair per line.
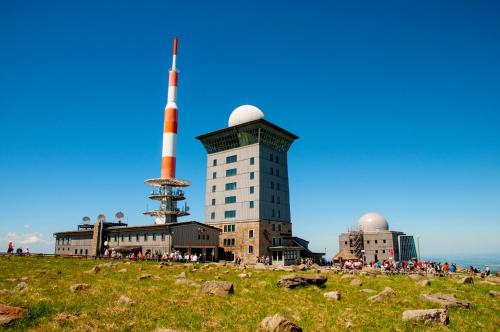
372, 241
247, 190
93, 240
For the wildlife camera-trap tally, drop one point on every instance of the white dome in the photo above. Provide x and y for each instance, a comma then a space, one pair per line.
244, 113
372, 222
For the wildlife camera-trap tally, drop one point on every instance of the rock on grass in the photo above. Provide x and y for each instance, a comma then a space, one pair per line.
386, 293
9, 313
494, 293
218, 288
424, 283
356, 282
332, 295
466, 280
427, 315
295, 280
445, 300
125, 300
79, 287
278, 323
21, 286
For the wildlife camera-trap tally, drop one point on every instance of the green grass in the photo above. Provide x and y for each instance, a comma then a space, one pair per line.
162, 303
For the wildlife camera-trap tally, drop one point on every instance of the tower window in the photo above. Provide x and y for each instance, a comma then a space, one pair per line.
213, 201
214, 162
277, 172
276, 159
231, 159
231, 186
279, 213
384, 241
230, 214
252, 189
250, 249
278, 200
231, 172
277, 186
251, 204
252, 175
272, 198
229, 228
271, 171
212, 215
250, 234
214, 175
214, 189
252, 160
230, 199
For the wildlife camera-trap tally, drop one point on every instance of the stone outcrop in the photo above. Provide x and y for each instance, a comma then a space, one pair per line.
427, 315
494, 293
295, 280
218, 288
278, 323
356, 282
125, 300
445, 300
332, 295
466, 280
79, 287
9, 313
386, 293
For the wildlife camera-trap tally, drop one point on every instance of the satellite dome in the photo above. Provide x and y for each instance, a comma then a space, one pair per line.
372, 222
244, 113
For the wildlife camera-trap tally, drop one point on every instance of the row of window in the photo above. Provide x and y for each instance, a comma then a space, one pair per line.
233, 159
145, 237
232, 213
229, 242
63, 240
367, 242
232, 199
234, 171
277, 241
232, 186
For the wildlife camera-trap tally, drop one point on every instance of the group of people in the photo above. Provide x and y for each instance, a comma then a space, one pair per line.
266, 260
175, 256
19, 250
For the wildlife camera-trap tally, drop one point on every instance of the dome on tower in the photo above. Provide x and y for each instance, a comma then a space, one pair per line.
244, 113
372, 222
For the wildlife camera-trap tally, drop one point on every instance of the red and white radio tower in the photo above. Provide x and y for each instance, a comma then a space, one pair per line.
167, 186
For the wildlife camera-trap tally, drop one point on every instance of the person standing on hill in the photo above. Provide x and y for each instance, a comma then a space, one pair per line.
10, 248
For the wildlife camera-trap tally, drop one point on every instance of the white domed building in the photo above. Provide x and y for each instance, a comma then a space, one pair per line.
372, 241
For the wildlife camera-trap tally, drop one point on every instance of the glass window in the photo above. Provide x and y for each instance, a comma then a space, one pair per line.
272, 185
130, 238
277, 172
230, 199
274, 227
231, 159
214, 175
252, 175
250, 249
276, 159
163, 236
277, 186
231, 186
271, 171
213, 201
252, 189
214, 189
251, 204
272, 198
250, 233
231, 172
376, 241
214, 162
154, 237
273, 213
252, 160
279, 213
367, 241
212, 215
145, 237
229, 228
384, 241
279, 227
230, 214
137, 237
278, 200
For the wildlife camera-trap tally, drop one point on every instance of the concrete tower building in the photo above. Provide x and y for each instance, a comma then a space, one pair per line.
247, 192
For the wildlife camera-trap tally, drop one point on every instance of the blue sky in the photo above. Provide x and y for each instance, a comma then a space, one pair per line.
396, 104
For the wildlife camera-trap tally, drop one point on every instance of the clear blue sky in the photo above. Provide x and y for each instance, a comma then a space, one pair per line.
397, 105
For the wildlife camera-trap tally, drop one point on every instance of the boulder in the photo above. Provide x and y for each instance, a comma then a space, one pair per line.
219, 288
386, 293
145, 276
332, 295
181, 275
424, 283
243, 275
123, 270
110, 265
79, 287
125, 300
21, 286
278, 323
95, 269
427, 315
301, 267
466, 280
445, 300
356, 282
259, 266
295, 280
9, 313
494, 293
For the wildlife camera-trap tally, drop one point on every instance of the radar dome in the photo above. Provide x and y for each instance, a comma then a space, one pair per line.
372, 222
243, 114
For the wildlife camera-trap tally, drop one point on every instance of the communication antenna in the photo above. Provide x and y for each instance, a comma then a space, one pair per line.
85, 220
119, 216
101, 217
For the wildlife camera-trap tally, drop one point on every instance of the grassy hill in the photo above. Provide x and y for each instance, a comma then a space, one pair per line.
161, 303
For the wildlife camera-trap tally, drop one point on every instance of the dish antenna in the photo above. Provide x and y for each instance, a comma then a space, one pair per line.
101, 218
85, 220
119, 216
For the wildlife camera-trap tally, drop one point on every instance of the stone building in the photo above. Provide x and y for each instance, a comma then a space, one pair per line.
93, 240
247, 192
372, 241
